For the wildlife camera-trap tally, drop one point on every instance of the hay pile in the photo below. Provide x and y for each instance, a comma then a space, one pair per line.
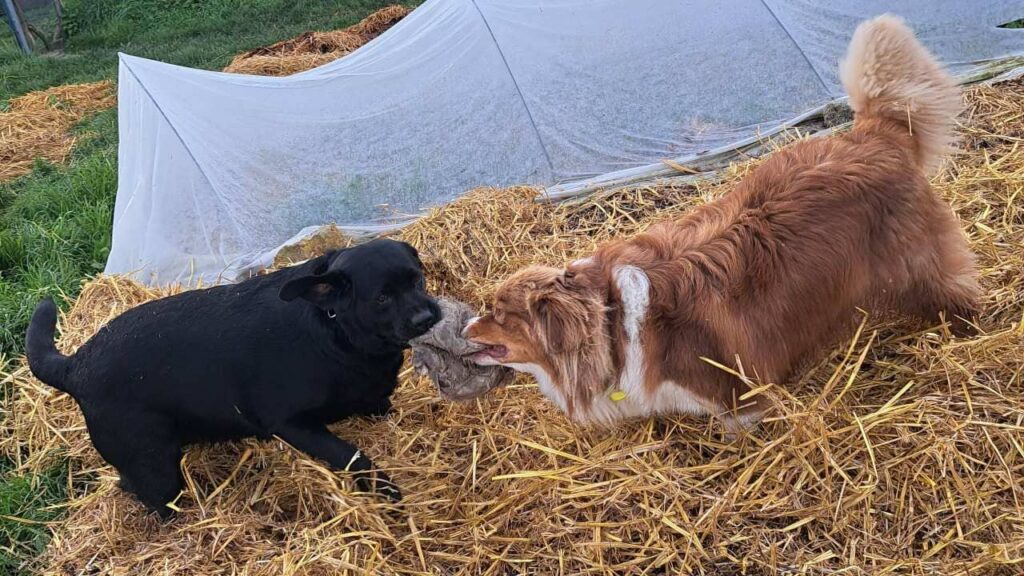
320, 241
898, 454
312, 49
36, 125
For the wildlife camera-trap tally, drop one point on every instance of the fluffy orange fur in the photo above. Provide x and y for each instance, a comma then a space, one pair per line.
768, 274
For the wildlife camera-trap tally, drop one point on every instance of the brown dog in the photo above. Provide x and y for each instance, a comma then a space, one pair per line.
768, 274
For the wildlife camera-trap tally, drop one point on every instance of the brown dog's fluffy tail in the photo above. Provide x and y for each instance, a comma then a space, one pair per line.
890, 77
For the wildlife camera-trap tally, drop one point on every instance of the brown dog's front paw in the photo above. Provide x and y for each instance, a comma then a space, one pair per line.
962, 328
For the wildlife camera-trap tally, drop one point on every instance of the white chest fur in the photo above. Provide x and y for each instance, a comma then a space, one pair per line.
544, 381
630, 399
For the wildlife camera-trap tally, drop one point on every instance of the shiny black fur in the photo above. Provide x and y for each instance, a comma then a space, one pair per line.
283, 354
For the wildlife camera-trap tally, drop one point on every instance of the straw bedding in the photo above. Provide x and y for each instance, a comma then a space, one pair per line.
898, 454
321, 241
312, 49
36, 125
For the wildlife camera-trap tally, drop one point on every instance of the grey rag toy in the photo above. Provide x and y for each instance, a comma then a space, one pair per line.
442, 353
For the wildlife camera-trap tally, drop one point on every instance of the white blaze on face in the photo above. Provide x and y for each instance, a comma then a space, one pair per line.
479, 358
472, 321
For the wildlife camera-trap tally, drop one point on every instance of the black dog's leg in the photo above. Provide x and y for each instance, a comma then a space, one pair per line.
319, 443
380, 408
145, 453
155, 477
125, 484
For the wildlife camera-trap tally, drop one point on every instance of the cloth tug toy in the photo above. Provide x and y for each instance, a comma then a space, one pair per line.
443, 355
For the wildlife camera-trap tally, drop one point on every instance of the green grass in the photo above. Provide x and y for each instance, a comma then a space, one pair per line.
55, 223
55, 227
30, 500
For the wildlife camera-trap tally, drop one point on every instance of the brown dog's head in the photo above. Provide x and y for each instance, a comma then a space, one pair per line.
546, 324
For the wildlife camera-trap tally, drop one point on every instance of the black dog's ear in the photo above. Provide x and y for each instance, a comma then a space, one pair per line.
412, 252
321, 289
320, 263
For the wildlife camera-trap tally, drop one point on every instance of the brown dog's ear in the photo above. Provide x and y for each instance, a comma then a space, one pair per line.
567, 280
572, 332
323, 290
583, 276
577, 281
563, 318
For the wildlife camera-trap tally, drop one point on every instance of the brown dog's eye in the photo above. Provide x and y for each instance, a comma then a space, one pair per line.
566, 279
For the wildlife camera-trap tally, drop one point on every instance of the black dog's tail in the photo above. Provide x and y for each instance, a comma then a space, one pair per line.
45, 361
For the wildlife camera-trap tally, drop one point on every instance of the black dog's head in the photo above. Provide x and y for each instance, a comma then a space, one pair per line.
375, 292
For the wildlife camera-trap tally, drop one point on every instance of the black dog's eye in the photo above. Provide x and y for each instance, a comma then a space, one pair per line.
383, 299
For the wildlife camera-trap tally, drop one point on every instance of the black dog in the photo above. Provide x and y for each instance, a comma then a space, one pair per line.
283, 354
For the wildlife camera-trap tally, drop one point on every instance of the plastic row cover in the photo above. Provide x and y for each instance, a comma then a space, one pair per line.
216, 169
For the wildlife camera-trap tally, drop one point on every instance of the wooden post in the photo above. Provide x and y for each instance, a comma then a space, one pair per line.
58, 29
17, 21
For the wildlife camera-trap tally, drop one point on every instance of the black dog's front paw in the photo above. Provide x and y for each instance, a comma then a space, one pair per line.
165, 513
379, 482
341, 455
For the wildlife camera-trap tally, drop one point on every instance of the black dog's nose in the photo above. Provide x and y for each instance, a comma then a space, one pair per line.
424, 319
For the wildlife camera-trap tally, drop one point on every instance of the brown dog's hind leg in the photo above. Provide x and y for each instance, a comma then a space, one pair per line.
945, 285
738, 423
